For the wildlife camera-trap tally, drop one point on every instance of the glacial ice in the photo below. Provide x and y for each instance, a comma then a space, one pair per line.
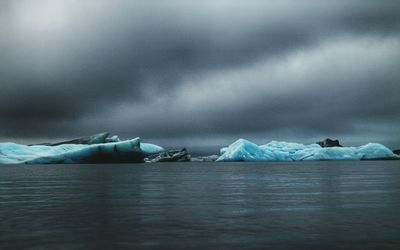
244, 150
113, 138
117, 151
151, 149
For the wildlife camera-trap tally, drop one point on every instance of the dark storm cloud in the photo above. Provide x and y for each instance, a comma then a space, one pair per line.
317, 90
173, 69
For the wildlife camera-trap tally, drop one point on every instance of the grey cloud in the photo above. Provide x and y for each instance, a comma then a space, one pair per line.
82, 67
315, 92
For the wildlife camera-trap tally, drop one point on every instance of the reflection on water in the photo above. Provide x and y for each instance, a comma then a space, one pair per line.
203, 205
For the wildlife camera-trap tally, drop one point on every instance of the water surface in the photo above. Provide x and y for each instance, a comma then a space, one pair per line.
310, 205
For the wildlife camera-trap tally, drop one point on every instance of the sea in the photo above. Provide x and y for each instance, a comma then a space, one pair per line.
275, 205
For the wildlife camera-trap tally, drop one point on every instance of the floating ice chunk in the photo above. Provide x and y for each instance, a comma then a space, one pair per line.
244, 150
117, 152
150, 149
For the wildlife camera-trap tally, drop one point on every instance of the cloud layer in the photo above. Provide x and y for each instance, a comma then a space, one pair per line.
212, 71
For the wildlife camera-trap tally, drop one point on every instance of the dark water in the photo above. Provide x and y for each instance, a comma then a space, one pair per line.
320, 205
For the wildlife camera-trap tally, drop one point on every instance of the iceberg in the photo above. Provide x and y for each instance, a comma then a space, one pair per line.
129, 151
101, 148
244, 150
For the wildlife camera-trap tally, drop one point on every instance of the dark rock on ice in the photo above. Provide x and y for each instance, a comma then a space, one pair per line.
328, 143
170, 156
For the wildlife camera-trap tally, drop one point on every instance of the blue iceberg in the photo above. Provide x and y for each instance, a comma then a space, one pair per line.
112, 152
244, 150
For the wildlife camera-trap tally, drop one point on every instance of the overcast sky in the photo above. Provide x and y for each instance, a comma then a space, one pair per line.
201, 72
